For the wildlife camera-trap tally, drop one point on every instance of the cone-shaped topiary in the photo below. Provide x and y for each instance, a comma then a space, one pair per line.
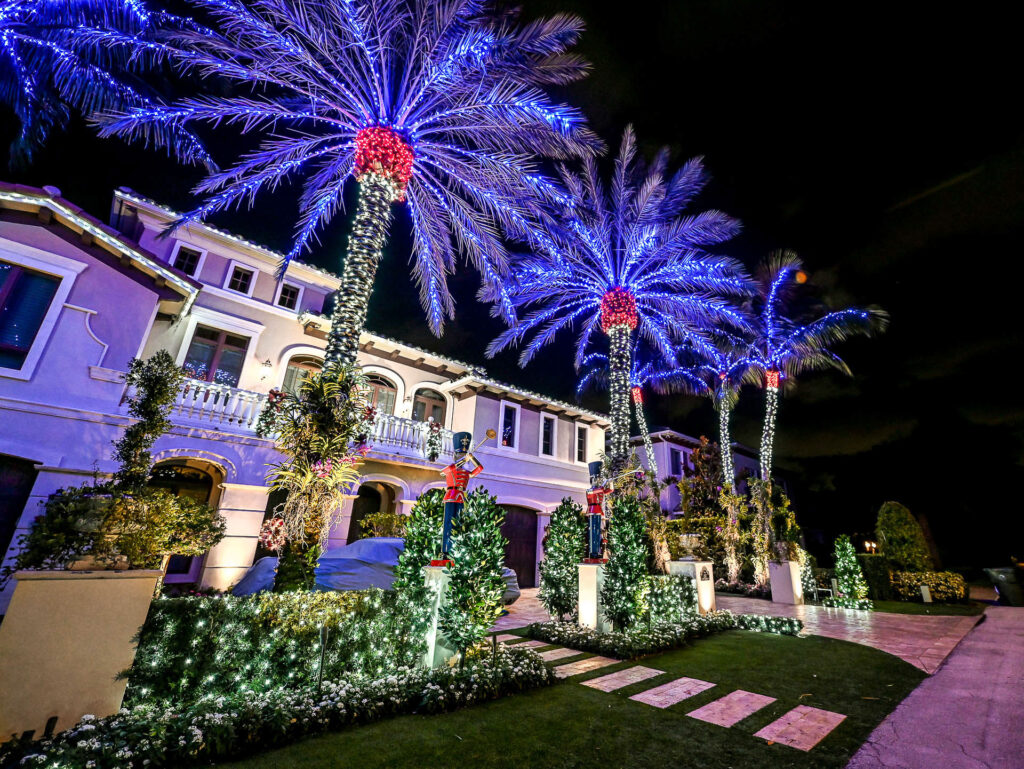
564, 550
853, 588
422, 540
624, 595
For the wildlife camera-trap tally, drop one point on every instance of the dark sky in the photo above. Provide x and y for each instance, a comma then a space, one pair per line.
882, 142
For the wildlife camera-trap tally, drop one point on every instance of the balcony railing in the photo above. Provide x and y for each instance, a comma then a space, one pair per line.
407, 436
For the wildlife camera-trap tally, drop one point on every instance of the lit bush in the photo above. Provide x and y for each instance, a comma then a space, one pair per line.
671, 597
944, 585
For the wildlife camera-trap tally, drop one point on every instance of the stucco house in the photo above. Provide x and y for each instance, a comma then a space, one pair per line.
80, 298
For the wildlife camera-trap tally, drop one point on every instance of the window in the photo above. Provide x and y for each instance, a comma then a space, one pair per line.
25, 298
188, 259
676, 462
581, 443
288, 296
509, 433
382, 394
216, 356
548, 426
298, 370
241, 279
428, 403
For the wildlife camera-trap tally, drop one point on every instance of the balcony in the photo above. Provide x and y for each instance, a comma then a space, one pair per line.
205, 404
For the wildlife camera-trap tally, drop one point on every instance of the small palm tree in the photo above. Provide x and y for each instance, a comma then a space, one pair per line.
649, 369
786, 346
621, 259
437, 103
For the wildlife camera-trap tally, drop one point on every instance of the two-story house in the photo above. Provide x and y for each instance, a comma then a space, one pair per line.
79, 299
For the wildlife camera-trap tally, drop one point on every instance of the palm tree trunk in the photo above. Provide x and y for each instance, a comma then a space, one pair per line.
641, 421
365, 246
771, 408
725, 442
618, 387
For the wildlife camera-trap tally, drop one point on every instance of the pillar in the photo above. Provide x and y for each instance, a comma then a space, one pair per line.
703, 575
243, 508
591, 576
436, 579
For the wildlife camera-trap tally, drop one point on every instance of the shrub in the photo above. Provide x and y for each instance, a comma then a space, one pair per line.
671, 597
853, 590
901, 540
422, 540
878, 574
191, 647
623, 596
564, 550
384, 524
243, 723
944, 585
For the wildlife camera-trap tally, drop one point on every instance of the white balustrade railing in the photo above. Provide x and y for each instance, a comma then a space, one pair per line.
391, 432
218, 405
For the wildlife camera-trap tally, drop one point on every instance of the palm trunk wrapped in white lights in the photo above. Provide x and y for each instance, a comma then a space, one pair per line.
771, 407
725, 440
641, 422
618, 319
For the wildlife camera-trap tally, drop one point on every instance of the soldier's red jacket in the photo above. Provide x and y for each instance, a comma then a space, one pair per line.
595, 497
456, 479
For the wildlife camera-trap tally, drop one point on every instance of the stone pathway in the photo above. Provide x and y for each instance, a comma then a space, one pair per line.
557, 654
966, 716
583, 666
732, 708
802, 728
618, 680
669, 694
923, 641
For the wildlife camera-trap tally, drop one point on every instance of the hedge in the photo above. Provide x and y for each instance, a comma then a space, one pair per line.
193, 646
234, 726
945, 586
878, 574
671, 597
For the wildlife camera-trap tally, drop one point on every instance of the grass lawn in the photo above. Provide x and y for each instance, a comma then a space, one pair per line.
568, 725
908, 607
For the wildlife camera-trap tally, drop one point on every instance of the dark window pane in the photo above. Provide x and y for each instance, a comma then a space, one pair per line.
677, 464
581, 444
199, 359
548, 436
229, 368
25, 297
508, 427
187, 260
240, 280
289, 297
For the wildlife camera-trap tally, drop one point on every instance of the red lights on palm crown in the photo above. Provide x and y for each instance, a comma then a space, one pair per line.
618, 308
381, 150
638, 396
771, 379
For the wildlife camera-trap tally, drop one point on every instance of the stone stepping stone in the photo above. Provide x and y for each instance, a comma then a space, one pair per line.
802, 728
582, 666
674, 691
557, 654
613, 681
508, 638
532, 644
732, 708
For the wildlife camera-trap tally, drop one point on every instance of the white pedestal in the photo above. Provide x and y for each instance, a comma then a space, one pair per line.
785, 582
591, 582
436, 579
703, 575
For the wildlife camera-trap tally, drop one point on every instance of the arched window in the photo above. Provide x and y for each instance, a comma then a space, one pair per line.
428, 403
299, 367
382, 393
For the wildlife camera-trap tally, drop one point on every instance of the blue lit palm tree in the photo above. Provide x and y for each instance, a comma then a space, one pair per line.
43, 78
623, 259
648, 369
431, 102
786, 346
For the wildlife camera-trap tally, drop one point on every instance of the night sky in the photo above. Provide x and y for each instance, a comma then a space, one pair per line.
881, 142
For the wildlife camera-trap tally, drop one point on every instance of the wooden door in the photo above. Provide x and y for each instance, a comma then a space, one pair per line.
520, 529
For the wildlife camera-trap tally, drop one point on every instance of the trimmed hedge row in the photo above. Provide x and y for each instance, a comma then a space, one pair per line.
945, 586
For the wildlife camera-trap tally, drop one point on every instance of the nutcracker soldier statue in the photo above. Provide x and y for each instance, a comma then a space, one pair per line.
595, 513
456, 477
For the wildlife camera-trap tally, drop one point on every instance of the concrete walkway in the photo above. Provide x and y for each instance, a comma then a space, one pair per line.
922, 640
966, 716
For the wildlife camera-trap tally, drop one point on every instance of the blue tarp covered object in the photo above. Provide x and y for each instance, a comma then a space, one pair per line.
365, 563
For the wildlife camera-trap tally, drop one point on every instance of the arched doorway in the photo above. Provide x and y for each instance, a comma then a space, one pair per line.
299, 368
520, 529
428, 404
382, 393
373, 497
17, 476
197, 480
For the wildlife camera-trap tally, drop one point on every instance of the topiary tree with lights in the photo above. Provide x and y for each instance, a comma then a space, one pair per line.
901, 540
624, 593
853, 588
473, 598
623, 260
565, 546
422, 540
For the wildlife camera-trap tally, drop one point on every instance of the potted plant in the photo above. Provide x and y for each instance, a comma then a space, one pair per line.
87, 571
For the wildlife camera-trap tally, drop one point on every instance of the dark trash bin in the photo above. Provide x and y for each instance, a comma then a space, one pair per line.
1006, 585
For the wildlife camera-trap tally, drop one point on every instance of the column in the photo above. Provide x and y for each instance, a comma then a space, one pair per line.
338, 536
436, 579
591, 576
243, 508
703, 575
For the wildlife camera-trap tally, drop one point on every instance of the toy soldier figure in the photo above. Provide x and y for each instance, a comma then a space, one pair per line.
456, 477
595, 513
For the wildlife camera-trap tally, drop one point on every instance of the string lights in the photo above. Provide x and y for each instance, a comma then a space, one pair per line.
618, 319
771, 406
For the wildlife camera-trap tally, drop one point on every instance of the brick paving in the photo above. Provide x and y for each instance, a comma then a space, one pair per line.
557, 654
583, 666
505, 638
674, 691
532, 644
621, 678
802, 728
922, 640
732, 708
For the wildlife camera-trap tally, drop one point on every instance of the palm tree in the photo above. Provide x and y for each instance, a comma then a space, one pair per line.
42, 78
622, 259
648, 369
431, 102
785, 345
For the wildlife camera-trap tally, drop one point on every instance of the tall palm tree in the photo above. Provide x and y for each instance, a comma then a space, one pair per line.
786, 344
623, 259
43, 78
437, 103
648, 369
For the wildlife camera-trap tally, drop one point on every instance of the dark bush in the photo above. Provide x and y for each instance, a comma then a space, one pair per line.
878, 573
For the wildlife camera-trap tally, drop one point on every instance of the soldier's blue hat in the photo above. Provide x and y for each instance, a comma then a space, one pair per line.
458, 438
596, 468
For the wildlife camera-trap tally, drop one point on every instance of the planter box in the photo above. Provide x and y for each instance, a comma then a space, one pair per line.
703, 575
591, 615
785, 582
65, 638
